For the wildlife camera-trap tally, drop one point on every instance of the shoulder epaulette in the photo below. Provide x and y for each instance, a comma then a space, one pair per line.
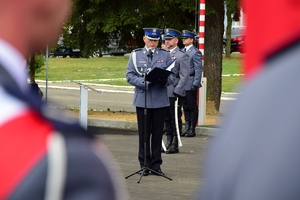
164, 50
139, 49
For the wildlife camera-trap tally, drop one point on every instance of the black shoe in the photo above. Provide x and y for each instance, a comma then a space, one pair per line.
190, 134
162, 150
174, 147
192, 131
172, 150
158, 172
169, 141
186, 129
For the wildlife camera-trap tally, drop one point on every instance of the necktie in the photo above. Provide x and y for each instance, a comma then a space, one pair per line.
151, 55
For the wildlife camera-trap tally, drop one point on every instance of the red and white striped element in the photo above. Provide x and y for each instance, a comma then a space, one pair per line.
202, 28
202, 91
22, 142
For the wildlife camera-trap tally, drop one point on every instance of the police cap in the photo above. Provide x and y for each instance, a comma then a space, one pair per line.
171, 33
152, 33
188, 34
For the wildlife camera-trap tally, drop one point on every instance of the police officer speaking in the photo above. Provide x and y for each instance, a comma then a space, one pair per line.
190, 106
157, 99
181, 71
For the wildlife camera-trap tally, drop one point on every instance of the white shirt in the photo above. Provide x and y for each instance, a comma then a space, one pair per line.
14, 63
188, 47
151, 49
172, 49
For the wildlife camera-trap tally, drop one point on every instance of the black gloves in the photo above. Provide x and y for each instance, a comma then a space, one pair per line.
194, 89
162, 81
177, 95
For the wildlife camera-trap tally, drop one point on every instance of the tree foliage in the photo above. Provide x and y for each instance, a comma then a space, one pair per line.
94, 21
36, 63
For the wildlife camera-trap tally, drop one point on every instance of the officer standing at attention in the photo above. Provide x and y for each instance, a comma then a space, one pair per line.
181, 71
156, 93
190, 106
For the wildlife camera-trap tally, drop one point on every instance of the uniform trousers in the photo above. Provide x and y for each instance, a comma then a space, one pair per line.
190, 106
155, 125
170, 116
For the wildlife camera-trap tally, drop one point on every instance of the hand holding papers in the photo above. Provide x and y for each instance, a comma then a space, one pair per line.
157, 75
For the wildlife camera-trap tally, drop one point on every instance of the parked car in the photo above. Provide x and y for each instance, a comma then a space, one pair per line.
65, 51
237, 40
113, 47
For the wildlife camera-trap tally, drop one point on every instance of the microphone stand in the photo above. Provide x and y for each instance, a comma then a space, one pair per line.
145, 168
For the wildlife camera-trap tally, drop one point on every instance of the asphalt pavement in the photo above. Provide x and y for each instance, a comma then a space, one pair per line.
115, 98
184, 168
121, 138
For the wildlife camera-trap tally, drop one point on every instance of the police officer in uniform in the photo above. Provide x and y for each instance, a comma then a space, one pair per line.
176, 91
190, 106
140, 61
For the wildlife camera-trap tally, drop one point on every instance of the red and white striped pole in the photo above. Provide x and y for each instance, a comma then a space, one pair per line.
202, 92
202, 27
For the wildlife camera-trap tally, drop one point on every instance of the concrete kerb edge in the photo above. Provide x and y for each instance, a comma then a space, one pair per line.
112, 124
208, 131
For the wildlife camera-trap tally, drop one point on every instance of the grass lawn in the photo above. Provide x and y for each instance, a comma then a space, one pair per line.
94, 69
231, 67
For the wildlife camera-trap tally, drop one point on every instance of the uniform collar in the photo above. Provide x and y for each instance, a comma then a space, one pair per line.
14, 63
173, 50
145, 51
188, 47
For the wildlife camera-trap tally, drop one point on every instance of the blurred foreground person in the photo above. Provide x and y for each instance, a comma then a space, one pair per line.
256, 154
40, 156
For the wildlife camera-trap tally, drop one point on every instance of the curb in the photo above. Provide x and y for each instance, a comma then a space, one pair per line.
208, 131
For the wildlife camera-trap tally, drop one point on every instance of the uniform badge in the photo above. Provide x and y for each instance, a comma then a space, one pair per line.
160, 61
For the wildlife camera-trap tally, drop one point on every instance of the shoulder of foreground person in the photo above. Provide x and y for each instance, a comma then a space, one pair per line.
91, 172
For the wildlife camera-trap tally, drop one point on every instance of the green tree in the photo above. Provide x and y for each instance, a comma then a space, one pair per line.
93, 21
36, 63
